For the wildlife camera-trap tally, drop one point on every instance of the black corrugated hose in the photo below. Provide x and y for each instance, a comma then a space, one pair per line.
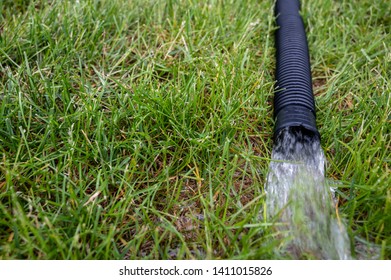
294, 105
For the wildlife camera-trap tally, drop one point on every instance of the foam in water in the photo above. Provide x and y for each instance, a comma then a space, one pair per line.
297, 195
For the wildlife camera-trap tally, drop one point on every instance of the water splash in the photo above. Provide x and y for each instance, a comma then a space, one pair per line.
298, 195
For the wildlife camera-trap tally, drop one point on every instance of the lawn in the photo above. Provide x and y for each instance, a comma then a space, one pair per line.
143, 129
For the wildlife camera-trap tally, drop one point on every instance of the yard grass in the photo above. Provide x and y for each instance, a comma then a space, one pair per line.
143, 129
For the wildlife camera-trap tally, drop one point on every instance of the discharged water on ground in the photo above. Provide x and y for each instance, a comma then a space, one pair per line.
300, 200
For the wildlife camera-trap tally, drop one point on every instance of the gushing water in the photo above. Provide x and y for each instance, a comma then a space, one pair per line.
298, 195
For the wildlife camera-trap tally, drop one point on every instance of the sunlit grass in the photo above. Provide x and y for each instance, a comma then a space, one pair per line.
143, 129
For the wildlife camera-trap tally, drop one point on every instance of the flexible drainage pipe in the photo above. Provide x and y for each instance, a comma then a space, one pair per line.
294, 104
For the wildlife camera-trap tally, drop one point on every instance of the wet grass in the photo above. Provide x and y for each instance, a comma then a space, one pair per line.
142, 129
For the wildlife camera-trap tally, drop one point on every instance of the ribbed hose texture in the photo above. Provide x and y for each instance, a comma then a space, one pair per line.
294, 104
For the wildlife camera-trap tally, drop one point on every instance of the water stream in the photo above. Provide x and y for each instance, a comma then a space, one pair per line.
298, 196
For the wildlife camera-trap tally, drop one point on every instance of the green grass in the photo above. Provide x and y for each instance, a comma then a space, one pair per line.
142, 129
